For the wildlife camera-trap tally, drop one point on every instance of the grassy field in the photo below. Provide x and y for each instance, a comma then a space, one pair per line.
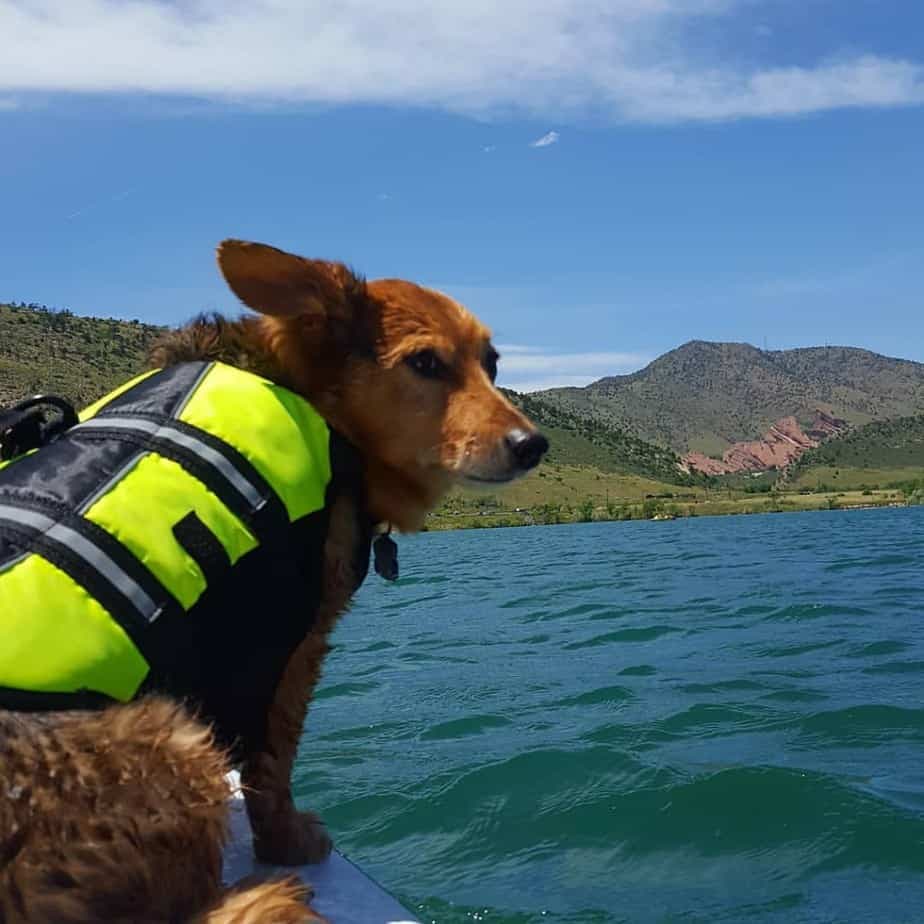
566, 494
839, 478
547, 514
570, 484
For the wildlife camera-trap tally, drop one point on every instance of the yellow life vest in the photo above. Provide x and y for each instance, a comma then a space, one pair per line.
121, 525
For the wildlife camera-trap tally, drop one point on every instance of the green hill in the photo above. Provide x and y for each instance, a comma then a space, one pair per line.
42, 350
707, 396
884, 444
883, 453
577, 440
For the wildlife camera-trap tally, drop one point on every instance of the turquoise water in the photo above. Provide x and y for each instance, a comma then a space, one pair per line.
701, 720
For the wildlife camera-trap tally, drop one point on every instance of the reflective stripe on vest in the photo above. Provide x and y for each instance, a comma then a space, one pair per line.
213, 461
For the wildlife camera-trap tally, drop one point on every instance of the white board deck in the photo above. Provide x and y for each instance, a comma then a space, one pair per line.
344, 894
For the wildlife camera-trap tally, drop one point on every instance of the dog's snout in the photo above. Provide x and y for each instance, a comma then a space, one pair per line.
528, 447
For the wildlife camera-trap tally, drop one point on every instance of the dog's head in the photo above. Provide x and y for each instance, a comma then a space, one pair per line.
404, 372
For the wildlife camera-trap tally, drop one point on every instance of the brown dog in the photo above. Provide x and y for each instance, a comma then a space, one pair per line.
120, 815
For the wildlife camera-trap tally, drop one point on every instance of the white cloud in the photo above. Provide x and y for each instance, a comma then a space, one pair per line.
8, 104
630, 59
511, 348
547, 139
525, 368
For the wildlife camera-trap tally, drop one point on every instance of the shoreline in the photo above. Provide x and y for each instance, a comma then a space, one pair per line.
543, 516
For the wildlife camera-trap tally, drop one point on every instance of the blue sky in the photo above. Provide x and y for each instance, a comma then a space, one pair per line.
718, 169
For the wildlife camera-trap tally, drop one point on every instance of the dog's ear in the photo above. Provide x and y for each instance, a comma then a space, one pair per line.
284, 285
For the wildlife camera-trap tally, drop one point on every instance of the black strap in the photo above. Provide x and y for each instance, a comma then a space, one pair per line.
219, 466
203, 547
39, 701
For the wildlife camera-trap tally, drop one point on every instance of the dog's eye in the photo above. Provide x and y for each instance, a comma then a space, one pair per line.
427, 364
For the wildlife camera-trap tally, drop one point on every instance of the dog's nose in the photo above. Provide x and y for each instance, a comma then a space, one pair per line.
528, 448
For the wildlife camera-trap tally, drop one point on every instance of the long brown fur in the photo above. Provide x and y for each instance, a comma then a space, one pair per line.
122, 815
98, 811
281, 902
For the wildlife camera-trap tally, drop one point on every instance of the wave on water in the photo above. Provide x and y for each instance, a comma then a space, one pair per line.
713, 722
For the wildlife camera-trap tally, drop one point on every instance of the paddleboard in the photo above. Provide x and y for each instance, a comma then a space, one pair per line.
344, 894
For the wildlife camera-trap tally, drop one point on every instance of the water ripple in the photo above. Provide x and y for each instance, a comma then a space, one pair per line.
742, 743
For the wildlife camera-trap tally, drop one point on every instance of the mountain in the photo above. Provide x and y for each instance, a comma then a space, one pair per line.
706, 397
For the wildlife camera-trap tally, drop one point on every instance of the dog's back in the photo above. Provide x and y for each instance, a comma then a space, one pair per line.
173, 562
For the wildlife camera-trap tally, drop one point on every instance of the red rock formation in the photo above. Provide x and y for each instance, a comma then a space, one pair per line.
703, 463
824, 427
783, 443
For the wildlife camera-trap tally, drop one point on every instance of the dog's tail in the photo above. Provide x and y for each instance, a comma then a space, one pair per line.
281, 901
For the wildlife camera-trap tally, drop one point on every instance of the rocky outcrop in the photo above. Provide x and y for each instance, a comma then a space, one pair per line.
825, 427
697, 462
782, 444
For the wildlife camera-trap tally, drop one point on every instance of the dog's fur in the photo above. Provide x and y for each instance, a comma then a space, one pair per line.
121, 815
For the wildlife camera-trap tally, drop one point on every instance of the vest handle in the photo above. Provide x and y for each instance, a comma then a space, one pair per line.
27, 425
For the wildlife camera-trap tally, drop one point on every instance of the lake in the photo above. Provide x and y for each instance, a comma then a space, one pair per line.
701, 720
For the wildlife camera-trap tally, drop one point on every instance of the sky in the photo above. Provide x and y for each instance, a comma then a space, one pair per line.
599, 180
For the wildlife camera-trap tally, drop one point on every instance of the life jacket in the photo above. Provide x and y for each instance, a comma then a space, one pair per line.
172, 541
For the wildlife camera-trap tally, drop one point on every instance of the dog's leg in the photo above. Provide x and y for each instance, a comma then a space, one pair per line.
281, 833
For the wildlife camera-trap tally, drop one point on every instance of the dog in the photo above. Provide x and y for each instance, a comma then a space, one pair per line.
120, 814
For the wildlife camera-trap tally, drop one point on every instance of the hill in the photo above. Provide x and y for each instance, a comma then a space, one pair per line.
82, 358
706, 397
42, 350
580, 441
886, 453
884, 444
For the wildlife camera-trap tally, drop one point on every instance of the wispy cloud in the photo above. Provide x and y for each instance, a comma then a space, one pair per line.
525, 368
635, 60
869, 275
116, 197
8, 104
547, 139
